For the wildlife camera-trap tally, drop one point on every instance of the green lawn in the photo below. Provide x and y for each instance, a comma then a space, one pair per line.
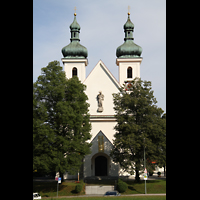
49, 189
153, 187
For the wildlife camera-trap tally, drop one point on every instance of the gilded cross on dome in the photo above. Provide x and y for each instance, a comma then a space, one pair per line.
75, 11
129, 10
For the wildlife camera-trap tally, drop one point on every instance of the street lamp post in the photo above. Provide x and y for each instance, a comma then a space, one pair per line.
145, 168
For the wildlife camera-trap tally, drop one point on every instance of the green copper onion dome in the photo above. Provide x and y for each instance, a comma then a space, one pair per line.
128, 49
74, 49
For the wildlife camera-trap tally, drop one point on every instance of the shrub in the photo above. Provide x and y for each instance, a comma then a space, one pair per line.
78, 188
120, 181
121, 186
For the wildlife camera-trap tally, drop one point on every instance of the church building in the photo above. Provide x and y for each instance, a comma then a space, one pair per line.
101, 84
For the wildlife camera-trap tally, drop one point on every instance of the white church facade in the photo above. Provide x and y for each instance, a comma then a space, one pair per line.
101, 84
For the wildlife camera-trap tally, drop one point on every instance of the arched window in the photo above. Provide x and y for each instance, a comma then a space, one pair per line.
129, 72
74, 72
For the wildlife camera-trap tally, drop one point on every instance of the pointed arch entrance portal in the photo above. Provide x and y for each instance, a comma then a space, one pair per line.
101, 166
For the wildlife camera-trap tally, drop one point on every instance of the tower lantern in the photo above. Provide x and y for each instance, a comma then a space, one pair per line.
128, 55
75, 55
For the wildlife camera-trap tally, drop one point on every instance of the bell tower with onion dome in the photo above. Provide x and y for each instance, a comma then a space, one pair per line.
128, 55
75, 55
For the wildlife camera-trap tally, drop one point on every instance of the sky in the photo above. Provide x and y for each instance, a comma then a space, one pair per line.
101, 33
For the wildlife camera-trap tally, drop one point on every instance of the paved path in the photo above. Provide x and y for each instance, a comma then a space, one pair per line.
102, 195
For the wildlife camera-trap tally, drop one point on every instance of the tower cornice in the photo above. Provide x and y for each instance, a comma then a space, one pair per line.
77, 60
137, 59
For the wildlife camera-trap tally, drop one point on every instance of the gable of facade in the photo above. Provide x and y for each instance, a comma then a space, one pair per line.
101, 79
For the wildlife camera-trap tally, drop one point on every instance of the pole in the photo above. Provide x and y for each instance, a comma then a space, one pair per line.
57, 188
145, 189
78, 175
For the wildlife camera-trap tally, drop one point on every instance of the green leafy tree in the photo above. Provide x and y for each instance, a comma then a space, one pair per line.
139, 124
61, 125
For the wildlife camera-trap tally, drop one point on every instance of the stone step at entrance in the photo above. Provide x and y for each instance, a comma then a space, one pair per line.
99, 189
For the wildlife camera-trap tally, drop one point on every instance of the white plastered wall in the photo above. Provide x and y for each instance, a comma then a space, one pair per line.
80, 64
123, 66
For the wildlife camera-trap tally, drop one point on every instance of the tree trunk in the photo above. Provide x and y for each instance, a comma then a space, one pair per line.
137, 178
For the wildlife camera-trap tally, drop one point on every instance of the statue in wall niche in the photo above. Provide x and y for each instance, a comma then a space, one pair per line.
100, 98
